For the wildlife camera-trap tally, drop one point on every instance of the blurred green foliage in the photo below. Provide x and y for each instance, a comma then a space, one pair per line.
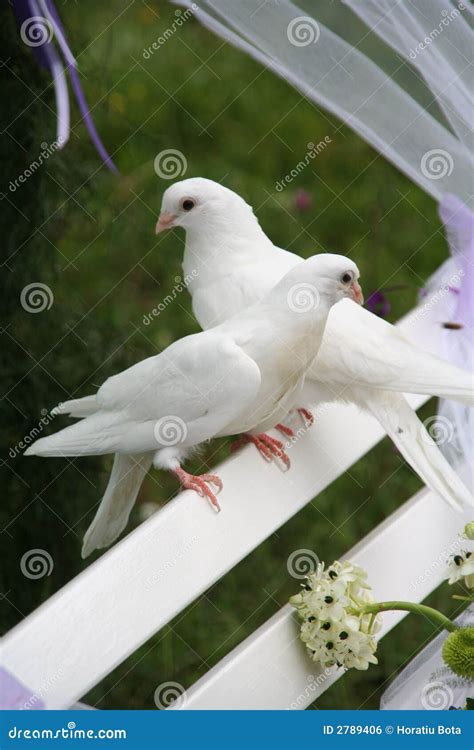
90, 235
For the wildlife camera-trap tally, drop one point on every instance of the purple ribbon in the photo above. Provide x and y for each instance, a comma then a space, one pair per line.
459, 223
48, 58
14, 695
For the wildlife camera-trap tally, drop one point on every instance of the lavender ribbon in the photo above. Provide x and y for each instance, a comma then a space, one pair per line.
48, 58
459, 340
14, 695
459, 223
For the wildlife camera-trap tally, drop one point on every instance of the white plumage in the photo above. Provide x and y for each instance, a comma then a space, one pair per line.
242, 376
230, 263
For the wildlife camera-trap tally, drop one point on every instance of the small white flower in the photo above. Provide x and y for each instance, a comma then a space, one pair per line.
461, 568
333, 632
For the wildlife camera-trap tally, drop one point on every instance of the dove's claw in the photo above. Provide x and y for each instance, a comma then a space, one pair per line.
268, 447
306, 416
286, 431
276, 447
200, 485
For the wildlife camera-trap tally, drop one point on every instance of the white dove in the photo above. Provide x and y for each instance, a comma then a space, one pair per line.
240, 377
229, 262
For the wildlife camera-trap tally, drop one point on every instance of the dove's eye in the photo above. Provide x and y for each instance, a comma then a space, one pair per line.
188, 204
346, 278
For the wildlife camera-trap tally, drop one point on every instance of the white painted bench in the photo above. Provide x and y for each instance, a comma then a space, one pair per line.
95, 622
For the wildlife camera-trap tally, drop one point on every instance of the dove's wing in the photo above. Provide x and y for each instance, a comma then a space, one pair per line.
194, 389
360, 348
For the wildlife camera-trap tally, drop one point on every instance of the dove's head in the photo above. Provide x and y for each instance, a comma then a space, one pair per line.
324, 278
203, 205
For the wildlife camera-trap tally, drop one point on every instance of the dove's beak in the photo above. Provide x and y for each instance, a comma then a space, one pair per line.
165, 221
356, 293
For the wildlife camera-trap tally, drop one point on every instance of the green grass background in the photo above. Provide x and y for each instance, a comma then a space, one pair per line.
90, 235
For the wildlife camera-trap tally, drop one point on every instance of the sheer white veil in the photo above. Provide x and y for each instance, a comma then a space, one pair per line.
397, 72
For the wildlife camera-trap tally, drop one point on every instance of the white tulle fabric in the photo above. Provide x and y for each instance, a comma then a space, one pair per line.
413, 104
427, 684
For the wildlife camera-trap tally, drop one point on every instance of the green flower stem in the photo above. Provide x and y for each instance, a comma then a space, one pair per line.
463, 598
418, 609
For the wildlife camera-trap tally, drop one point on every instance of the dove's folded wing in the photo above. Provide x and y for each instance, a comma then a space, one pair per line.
202, 383
361, 349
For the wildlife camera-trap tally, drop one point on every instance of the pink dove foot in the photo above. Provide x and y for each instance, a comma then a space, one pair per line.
268, 447
306, 416
200, 485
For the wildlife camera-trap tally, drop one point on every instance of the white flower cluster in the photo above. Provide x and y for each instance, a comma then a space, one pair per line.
461, 565
333, 629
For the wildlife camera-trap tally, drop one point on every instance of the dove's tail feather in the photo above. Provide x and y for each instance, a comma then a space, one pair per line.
77, 407
94, 436
433, 376
418, 448
127, 475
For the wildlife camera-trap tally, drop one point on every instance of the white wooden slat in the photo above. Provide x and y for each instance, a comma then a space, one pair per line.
80, 634
406, 559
